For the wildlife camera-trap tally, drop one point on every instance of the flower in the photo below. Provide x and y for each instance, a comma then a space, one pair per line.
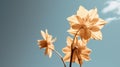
87, 23
46, 43
80, 53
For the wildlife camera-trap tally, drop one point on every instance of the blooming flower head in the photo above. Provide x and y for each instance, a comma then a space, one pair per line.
87, 23
46, 43
81, 52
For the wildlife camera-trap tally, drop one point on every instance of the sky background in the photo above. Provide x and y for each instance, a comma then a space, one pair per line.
22, 20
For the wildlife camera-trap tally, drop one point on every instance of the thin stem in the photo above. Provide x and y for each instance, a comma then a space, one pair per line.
80, 65
71, 58
60, 56
72, 49
79, 59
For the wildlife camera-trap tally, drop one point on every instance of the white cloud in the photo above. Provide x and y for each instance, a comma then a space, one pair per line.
110, 19
112, 6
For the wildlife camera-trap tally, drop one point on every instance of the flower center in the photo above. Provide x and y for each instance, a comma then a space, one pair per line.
83, 26
43, 43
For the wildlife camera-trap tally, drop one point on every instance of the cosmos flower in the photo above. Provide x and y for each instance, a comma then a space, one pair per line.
81, 52
87, 23
46, 43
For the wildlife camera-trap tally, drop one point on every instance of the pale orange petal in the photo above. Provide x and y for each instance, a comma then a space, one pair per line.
85, 57
72, 19
49, 38
79, 61
53, 40
83, 42
49, 53
66, 49
69, 41
76, 26
93, 13
43, 34
100, 23
96, 35
46, 51
86, 34
87, 51
93, 21
80, 20
82, 12
94, 28
51, 46
67, 57
46, 32
72, 32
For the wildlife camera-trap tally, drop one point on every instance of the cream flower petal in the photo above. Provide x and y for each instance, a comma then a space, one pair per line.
100, 23
87, 51
85, 57
85, 54
43, 35
46, 51
66, 49
73, 19
49, 38
94, 28
72, 31
80, 20
93, 21
93, 13
76, 26
96, 35
83, 42
51, 46
53, 40
82, 12
67, 57
46, 32
69, 41
50, 53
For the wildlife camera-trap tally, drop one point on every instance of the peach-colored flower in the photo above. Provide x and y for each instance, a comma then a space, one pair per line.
81, 52
87, 22
46, 43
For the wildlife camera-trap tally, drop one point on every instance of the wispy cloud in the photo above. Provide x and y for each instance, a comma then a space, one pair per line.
110, 19
113, 7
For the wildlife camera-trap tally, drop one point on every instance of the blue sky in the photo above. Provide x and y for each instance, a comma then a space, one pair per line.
22, 20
